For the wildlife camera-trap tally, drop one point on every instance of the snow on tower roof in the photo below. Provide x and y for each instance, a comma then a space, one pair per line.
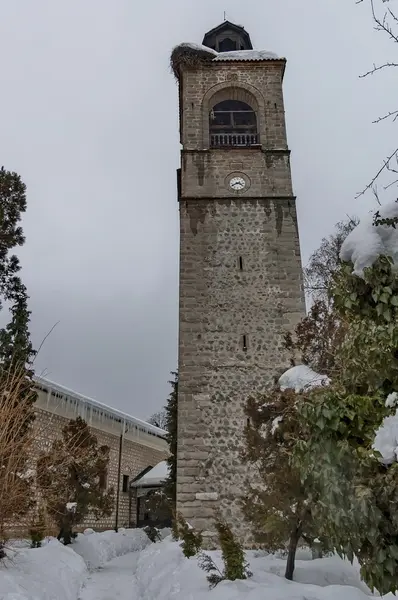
246, 55
193, 55
367, 241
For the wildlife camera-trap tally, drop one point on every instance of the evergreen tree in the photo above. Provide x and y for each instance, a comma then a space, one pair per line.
17, 394
191, 540
72, 475
233, 557
171, 428
16, 352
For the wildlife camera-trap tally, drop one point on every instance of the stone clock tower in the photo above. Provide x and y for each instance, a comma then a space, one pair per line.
240, 268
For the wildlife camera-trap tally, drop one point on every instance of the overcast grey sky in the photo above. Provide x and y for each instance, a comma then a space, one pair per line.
89, 120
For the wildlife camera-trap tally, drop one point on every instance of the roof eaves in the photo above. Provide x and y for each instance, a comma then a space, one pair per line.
56, 387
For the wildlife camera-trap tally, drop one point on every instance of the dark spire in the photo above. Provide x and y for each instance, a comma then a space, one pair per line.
227, 37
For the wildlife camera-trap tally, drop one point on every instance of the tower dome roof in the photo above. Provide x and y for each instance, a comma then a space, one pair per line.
227, 37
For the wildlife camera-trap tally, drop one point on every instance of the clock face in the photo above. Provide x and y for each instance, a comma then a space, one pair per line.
237, 184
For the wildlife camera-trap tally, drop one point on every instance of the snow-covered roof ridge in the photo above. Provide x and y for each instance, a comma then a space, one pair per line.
368, 241
302, 378
247, 55
155, 476
51, 385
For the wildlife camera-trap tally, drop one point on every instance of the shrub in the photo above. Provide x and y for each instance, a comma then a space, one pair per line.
191, 540
235, 565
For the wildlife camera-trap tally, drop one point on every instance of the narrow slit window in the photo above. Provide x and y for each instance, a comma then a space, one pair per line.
125, 483
240, 263
245, 343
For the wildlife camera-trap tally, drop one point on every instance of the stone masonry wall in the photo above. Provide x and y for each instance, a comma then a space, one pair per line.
240, 286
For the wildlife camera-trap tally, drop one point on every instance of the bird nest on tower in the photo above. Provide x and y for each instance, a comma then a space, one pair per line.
190, 56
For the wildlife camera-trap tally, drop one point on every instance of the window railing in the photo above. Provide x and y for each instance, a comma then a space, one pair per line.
219, 140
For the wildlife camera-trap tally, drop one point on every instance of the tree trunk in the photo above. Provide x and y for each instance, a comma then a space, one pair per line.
294, 540
67, 536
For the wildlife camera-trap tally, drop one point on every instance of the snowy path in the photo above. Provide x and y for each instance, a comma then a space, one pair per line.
115, 581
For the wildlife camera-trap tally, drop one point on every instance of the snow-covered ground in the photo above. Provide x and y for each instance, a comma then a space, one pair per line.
126, 566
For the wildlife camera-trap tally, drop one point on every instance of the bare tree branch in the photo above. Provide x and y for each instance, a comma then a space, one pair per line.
383, 168
393, 113
383, 23
379, 68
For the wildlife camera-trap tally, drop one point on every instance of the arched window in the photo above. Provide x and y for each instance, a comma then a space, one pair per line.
233, 123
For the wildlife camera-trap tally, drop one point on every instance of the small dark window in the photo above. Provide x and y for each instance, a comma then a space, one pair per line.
226, 45
240, 263
244, 343
125, 487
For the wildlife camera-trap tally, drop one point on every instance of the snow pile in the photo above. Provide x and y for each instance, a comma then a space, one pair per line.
155, 476
99, 548
163, 573
386, 439
302, 379
392, 400
54, 572
246, 55
367, 242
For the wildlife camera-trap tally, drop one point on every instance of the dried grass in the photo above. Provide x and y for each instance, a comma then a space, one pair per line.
16, 440
20, 495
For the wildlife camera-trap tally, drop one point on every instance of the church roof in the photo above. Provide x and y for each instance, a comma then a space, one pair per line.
154, 477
